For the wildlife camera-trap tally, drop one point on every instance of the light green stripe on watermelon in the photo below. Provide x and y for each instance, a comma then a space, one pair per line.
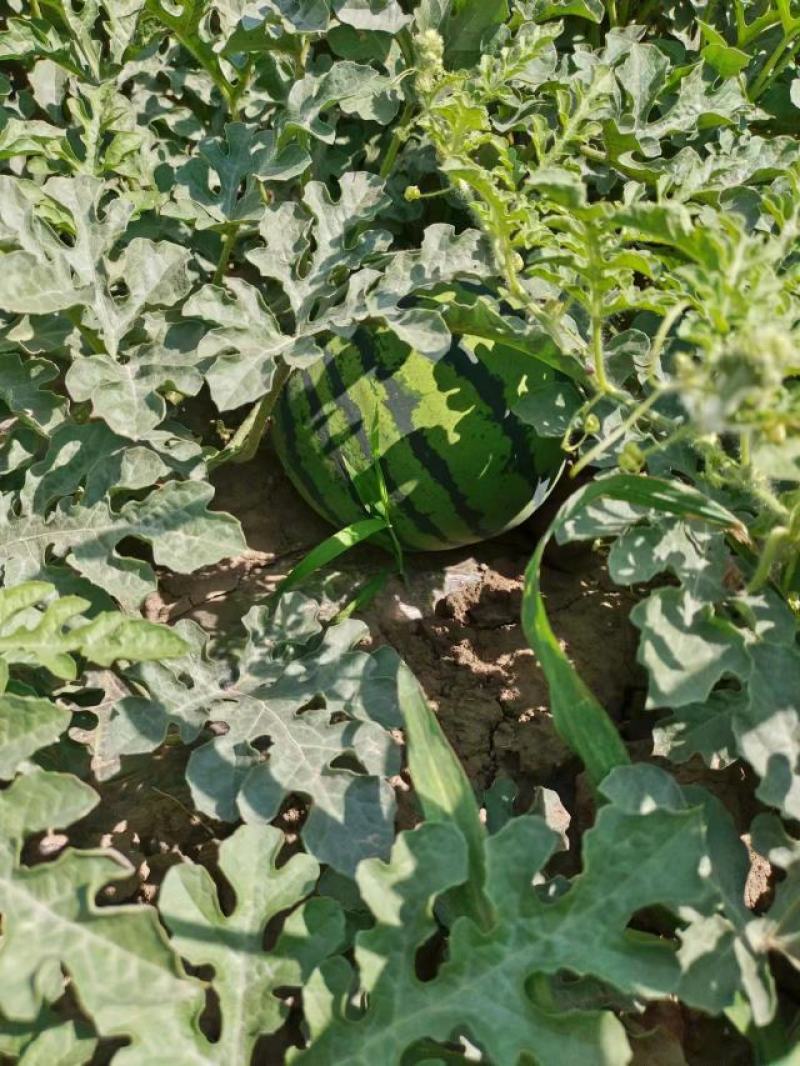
458, 466
414, 471
466, 415
350, 398
357, 413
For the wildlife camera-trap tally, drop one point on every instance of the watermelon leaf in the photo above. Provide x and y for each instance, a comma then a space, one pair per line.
246, 344
162, 1003
531, 937
135, 987
306, 691
128, 396
246, 978
593, 10
384, 15
218, 187
68, 1043
23, 390
59, 274
27, 724
50, 634
90, 460
38, 629
174, 519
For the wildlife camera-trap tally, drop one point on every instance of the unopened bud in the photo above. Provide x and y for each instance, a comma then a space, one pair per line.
430, 48
776, 434
631, 458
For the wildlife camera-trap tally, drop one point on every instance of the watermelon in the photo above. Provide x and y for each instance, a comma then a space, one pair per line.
458, 465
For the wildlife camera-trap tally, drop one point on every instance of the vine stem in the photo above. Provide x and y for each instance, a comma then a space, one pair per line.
660, 339
238, 89
225, 255
216, 76
741, 21
775, 541
649, 8
603, 445
747, 34
396, 142
775, 65
401, 130
607, 159
745, 448
789, 573
598, 357
208, 63
245, 441
765, 497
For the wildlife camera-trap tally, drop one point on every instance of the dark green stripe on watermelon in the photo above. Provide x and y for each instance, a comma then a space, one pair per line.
366, 486
493, 394
291, 436
286, 436
458, 465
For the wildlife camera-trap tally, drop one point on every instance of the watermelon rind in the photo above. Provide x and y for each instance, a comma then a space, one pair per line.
459, 465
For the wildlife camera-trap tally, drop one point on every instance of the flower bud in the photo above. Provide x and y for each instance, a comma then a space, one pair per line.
631, 458
429, 48
776, 433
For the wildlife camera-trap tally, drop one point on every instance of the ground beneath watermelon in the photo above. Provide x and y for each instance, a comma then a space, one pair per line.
455, 620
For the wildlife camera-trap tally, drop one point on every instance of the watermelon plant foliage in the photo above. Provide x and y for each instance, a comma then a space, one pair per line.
197, 199
286, 664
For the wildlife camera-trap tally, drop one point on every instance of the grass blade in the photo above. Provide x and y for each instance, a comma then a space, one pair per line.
579, 717
444, 792
331, 549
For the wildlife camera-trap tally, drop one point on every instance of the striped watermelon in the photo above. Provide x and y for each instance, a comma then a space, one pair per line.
458, 466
